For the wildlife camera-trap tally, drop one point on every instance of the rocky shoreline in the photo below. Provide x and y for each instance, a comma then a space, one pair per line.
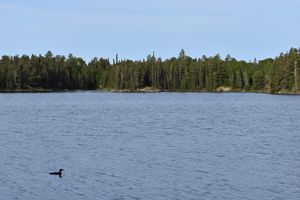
148, 90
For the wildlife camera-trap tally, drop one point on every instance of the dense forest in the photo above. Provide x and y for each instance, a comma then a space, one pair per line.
183, 73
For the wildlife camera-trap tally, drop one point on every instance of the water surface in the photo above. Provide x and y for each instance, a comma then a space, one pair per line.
150, 146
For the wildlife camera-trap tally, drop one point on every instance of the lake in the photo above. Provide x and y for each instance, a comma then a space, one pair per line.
156, 146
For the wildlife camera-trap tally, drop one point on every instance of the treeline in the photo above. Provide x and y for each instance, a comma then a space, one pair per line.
182, 73
49, 72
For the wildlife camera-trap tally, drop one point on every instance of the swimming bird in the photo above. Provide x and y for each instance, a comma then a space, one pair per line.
57, 173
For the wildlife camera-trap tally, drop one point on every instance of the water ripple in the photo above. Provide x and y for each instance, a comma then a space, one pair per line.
149, 146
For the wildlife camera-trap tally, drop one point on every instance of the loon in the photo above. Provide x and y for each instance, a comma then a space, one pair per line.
57, 173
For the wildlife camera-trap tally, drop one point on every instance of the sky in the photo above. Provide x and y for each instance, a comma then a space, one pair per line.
245, 29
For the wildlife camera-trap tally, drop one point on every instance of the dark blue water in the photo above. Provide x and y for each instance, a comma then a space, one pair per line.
150, 146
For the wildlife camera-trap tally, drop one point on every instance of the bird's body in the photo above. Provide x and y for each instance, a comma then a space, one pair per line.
59, 173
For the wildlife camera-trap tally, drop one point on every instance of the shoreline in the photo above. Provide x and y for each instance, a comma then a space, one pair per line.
140, 91
34, 91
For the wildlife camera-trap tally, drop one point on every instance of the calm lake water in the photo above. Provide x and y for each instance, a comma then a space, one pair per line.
150, 146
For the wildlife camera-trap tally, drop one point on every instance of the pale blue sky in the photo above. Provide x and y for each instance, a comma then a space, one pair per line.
135, 28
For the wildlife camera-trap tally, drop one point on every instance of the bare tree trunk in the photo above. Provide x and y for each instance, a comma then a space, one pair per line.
296, 76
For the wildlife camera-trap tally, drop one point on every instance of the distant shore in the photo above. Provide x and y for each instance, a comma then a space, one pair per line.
145, 90
33, 91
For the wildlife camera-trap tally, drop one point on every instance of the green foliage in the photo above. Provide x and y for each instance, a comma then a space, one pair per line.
182, 73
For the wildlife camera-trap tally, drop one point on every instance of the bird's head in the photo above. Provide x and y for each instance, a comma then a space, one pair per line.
61, 170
